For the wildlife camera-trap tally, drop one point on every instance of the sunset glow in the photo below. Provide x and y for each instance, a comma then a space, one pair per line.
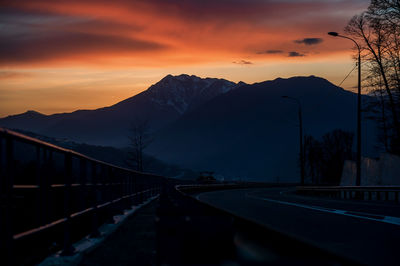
60, 56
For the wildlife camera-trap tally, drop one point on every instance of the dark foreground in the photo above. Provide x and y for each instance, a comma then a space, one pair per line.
133, 243
176, 230
365, 232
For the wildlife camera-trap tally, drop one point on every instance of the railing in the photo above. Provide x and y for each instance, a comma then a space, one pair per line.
51, 195
387, 193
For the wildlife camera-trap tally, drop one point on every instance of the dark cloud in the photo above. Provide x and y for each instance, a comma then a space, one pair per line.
51, 45
40, 36
243, 62
204, 10
309, 41
295, 54
271, 52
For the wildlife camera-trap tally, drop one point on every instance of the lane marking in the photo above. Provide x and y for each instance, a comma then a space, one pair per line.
361, 215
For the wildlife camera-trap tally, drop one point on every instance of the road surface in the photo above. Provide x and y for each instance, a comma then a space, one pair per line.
366, 232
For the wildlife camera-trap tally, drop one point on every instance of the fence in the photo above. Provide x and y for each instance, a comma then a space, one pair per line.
51, 196
354, 192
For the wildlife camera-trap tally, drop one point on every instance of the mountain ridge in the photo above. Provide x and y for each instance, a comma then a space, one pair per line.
234, 129
252, 132
110, 125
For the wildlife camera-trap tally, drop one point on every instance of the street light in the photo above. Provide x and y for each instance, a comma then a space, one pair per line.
358, 159
301, 138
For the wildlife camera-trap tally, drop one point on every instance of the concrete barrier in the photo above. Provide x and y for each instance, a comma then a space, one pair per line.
382, 172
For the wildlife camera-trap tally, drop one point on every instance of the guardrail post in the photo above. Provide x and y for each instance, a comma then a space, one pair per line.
107, 210
6, 183
95, 201
104, 194
67, 248
110, 185
135, 190
82, 184
132, 189
39, 208
47, 185
140, 188
44, 186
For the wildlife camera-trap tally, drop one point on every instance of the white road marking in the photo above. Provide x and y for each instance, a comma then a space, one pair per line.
361, 215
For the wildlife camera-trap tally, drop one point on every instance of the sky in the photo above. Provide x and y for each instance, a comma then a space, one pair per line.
60, 56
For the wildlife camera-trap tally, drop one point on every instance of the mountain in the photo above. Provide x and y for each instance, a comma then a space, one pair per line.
238, 130
252, 132
160, 105
184, 93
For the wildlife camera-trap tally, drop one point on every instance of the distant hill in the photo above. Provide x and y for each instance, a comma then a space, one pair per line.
118, 157
160, 104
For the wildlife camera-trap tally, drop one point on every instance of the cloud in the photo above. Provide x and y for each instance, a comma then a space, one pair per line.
51, 45
295, 54
179, 31
6, 75
243, 62
309, 41
271, 52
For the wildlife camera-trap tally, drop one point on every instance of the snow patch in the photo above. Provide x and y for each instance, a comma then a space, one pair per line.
87, 244
184, 92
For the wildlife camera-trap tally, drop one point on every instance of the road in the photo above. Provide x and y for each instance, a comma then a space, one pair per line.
366, 232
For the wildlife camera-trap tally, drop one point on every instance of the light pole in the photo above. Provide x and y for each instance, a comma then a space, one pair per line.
358, 159
302, 170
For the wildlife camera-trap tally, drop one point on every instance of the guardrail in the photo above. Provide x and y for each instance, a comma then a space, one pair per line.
388, 193
53, 196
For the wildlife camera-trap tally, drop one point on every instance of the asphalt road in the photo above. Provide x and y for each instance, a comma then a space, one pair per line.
366, 232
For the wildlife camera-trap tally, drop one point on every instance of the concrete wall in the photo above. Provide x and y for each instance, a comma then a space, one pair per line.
382, 172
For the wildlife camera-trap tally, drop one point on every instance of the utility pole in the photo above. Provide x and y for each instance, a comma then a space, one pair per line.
358, 159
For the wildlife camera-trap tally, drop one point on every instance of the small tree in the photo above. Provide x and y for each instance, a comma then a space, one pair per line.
325, 158
139, 138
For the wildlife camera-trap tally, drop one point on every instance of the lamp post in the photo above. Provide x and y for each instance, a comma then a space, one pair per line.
358, 159
302, 170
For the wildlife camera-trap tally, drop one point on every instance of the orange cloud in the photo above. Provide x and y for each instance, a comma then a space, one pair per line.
166, 31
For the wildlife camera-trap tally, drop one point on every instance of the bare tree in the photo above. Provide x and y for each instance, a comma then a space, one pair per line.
377, 31
139, 138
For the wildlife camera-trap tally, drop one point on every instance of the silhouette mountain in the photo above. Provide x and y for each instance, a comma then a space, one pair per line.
251, 133
234, 129
160, 105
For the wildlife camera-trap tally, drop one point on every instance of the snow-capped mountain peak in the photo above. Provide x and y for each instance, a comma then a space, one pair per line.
184, 92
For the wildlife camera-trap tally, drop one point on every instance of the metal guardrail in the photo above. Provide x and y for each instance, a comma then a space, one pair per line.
388, 193
46, 190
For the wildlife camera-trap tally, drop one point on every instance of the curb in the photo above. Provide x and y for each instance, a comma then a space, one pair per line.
88, 244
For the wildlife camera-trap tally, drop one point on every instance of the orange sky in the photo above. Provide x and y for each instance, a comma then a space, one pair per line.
59, 56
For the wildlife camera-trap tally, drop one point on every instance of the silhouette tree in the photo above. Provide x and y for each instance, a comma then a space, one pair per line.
312, 156
139, 138
325, 158
378, 33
